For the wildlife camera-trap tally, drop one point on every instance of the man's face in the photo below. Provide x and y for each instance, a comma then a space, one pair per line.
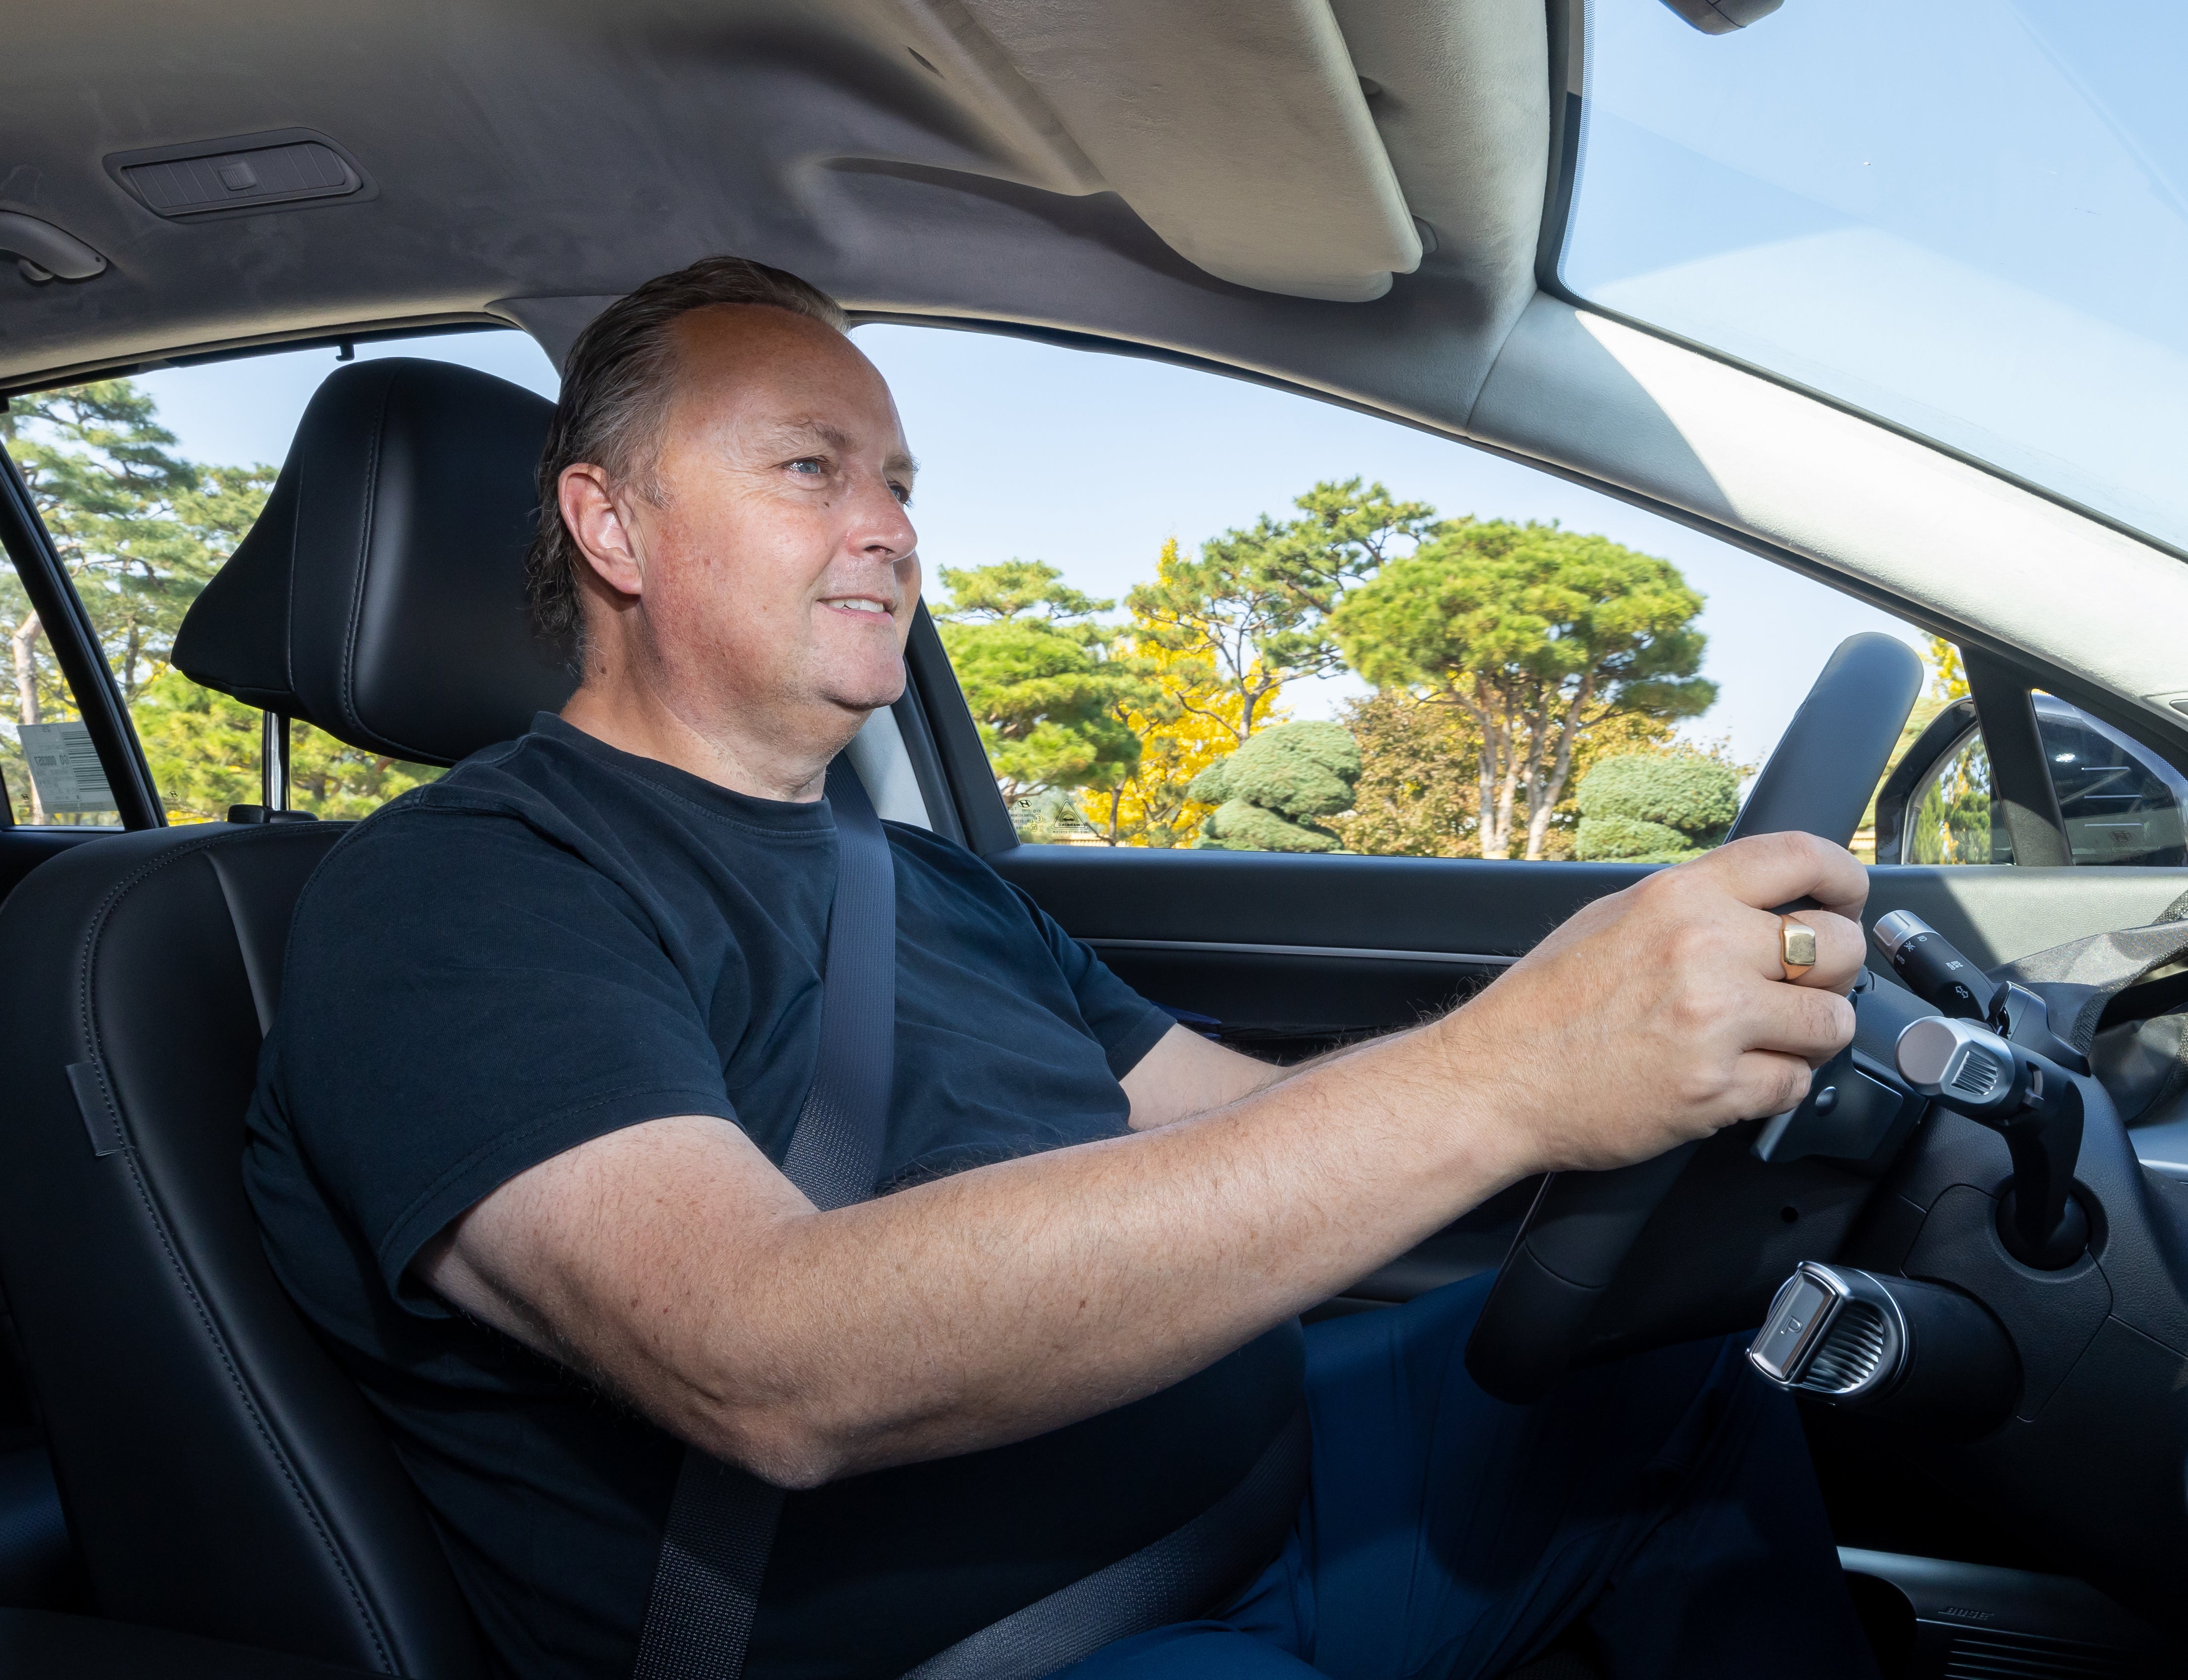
780, 571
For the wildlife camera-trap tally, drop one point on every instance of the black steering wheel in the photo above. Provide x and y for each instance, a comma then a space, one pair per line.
1582, 1224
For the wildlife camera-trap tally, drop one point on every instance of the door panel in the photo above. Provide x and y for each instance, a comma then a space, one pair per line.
1267, 939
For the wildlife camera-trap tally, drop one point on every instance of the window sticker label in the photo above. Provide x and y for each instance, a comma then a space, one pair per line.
65, 767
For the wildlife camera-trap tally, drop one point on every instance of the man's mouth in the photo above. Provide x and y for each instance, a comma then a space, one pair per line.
858, 604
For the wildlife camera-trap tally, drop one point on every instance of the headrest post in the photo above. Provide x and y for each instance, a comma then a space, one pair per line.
273, 762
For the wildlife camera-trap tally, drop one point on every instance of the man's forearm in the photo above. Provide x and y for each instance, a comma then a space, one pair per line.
995, 1304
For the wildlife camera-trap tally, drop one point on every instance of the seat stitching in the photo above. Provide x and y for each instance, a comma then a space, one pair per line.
88, 960
364, 552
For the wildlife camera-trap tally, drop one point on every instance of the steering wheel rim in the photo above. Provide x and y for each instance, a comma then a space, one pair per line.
1582, 1224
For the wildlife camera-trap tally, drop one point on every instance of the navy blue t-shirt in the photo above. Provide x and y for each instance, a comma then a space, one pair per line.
558, 940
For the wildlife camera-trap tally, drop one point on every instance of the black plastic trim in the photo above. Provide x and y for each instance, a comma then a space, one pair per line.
75, 648
261, 344
918, 734
981, 814
1937, 738
2021, 776
1567, 23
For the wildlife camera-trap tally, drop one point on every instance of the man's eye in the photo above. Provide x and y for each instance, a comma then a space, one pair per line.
902, 492
812, 464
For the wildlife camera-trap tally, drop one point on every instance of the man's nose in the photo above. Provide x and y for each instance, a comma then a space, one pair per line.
882, 528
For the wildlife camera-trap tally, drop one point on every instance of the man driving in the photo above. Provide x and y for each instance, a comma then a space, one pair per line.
548, 1025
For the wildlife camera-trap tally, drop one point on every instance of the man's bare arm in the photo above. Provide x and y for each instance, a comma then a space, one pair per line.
675, 1263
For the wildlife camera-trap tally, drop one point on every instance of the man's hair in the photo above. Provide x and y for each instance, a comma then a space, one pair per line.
615, 390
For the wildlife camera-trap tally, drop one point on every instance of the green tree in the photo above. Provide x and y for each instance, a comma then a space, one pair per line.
1538, 635
1419, 794
1268, 793
203, 749
139, 530
1655, 807
1043, 689
1256, 603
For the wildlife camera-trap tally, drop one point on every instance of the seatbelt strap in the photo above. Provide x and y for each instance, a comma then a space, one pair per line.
1187, 1573
721, 1521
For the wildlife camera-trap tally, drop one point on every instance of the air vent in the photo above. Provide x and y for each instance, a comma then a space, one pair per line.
2002, 1654
1852, 1349
292, 167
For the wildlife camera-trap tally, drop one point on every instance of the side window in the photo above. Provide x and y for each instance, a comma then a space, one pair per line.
1949, 817
1187, 611
46, 759
2121, 802
146, 485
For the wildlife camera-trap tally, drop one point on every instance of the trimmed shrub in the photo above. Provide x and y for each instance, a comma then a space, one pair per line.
1268, 793
1655, 808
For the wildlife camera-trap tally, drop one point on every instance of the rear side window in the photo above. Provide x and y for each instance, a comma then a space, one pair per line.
146, 486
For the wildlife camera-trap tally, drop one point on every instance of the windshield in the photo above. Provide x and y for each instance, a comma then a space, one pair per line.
1969, 217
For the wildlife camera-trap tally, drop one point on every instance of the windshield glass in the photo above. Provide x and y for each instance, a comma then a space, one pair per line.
1969, 217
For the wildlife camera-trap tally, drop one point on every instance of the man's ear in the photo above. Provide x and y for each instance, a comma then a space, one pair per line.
596, 520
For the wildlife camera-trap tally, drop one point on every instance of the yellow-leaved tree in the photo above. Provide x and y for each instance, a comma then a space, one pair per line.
1193, 720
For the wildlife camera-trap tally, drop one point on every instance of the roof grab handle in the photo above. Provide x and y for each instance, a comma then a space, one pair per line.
44, 252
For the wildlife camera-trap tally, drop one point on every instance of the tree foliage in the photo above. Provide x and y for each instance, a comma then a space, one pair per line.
1256, 603
1655, 807
1268, 792
1044, 690
1185, 718
1538, 634
1419, 795
140, 531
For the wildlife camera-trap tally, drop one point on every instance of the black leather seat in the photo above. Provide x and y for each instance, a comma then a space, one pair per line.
221, 1476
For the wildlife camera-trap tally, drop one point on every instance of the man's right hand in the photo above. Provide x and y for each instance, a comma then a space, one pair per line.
1661, 1013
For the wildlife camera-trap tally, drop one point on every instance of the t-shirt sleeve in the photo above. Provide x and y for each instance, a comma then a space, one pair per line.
1126, 1025
463, 1000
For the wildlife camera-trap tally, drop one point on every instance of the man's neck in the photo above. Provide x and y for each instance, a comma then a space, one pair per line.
764, 764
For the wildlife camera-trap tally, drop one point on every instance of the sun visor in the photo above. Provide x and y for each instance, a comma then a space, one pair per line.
1236, 129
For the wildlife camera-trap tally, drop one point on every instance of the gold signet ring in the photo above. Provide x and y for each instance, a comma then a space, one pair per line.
1796, 945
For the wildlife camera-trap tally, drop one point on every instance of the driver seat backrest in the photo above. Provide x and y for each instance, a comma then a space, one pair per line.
221, 1475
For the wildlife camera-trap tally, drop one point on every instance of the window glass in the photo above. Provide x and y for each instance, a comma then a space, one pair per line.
2121, 804
46, 759
1949, 818
147, 485
1967, 216
1189, 611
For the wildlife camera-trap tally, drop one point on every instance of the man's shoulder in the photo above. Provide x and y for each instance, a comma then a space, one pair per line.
489, 813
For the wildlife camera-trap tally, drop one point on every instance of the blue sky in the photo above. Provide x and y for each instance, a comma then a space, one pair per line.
1090, 462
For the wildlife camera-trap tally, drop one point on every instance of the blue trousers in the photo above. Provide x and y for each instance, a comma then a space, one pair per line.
1666, 1501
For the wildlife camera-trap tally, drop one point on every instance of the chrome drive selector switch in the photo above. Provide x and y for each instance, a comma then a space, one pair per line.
1927, 1356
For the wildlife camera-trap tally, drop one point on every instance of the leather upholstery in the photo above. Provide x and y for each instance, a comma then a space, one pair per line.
221, 1477
380, 595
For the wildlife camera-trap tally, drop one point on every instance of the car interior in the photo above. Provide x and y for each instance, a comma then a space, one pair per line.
1967, 1250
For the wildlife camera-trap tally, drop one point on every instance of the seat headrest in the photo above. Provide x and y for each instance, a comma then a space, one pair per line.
381, 595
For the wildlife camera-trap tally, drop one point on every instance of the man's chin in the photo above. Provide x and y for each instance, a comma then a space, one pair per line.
866, 691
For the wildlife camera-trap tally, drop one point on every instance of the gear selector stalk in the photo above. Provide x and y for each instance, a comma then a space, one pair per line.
2030, 1100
